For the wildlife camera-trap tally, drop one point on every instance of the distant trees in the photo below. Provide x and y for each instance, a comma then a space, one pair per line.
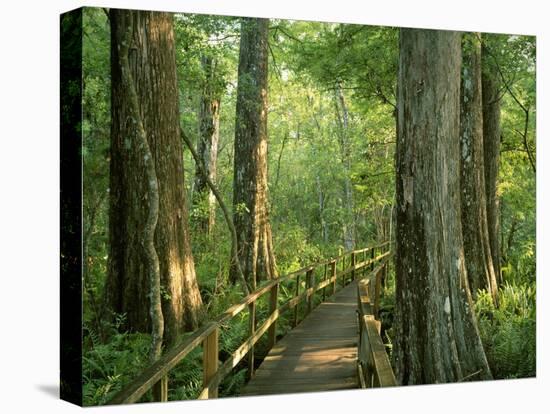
475, 228
436, 334
344, 140
250, 199
148, 213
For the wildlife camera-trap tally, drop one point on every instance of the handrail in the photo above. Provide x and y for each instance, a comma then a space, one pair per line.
373, 365
155, 376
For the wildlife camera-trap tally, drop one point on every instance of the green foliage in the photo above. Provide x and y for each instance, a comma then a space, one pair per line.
308, 168
185, 381
293, 249
107, 367
198, 37
509, 331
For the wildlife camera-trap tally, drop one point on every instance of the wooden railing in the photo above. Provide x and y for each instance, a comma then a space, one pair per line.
318, 277
373, 365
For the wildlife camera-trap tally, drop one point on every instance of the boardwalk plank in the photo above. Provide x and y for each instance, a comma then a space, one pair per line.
320, 354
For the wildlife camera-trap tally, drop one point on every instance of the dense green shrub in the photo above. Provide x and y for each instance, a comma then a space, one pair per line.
508, 331
106, 367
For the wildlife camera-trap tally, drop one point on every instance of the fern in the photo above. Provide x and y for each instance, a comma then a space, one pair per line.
233, 384
107, 367
185, 381
509, 331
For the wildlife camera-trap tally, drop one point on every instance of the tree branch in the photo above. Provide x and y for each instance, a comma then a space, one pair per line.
525, 109
283, 31
526, 146
229, 221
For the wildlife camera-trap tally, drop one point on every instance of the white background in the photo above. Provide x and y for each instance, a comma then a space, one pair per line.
29, 204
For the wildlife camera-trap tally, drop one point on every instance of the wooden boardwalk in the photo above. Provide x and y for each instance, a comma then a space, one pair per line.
320, 354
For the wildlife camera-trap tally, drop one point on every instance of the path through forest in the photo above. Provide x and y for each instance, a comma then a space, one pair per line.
320, 354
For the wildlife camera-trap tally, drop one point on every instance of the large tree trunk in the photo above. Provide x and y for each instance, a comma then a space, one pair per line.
345, 153
139, 141
491, 149
436, 333
152, 68
477, 250
209, 132
250, 202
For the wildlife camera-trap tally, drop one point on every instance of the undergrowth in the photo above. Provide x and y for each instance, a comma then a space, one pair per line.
106, 367
509, 331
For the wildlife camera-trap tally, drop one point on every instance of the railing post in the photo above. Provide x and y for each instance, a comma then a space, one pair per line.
210, 361
333, 275
377, 283
324, 279
372, 256
272, 332
251, 330
309, 284
369, 357
160, 390
353, 265
295, 320
343, 270
385, 274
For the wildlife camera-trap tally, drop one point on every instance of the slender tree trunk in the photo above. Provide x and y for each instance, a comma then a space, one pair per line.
475, 233
345, 150
227, 216
321, 196
511, 234
491, 149
436, 333
209, 132
151, 62
320, 193
90, 220
250, 194
382, 218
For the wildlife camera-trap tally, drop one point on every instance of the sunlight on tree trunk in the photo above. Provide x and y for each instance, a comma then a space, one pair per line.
250, 195
151, 59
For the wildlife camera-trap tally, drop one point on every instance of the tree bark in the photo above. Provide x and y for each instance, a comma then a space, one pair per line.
250, 202
491, 150
151, 61
437, 339
475, 233
209, 132
140, 142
